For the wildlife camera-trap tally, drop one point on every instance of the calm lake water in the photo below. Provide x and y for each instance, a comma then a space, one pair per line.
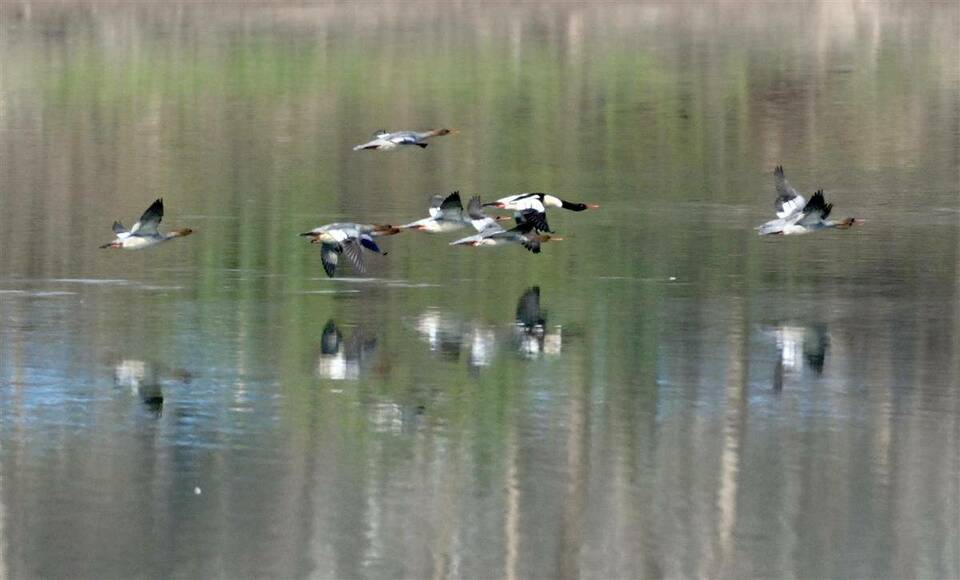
698, 401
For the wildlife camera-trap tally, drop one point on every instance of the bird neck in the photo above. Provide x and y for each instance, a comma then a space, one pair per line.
843, 224
179, 233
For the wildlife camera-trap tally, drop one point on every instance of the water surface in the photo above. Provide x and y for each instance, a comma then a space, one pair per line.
662, 394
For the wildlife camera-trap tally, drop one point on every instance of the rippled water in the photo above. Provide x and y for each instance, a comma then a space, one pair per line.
662, 393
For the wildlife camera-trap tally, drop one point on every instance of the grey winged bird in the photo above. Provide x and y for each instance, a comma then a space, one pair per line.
795, 215
384, 141
144, 233
491, 234
347, 239
446, 215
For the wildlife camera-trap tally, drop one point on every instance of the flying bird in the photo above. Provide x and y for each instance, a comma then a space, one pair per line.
538, 202
385, 141
144, 233
446, 215
492, 234
347, 239
795, 215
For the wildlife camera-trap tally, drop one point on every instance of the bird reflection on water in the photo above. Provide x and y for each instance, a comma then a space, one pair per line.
530, 336
146, 380
342, 359
799, 349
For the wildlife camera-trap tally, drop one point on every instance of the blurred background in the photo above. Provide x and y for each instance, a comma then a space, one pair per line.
661, 394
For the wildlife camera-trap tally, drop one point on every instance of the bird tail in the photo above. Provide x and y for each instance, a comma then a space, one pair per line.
769, 229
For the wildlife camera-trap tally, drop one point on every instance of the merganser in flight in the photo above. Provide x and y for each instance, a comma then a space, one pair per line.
348, 239
795, 215
144, 233
491, 234
446, 215
538, 202
385, 141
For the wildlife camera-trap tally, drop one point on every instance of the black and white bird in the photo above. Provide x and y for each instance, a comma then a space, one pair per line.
538, 202
795, 215
492, 234
446, 215
385, 141
347, 239
144, 233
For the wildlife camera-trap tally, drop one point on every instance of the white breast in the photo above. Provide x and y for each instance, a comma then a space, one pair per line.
552, 201
525, 204
138, 242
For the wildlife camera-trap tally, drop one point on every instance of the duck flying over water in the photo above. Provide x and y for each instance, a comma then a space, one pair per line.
446, 215
492, 234
385, 141
795, 215
538, 202
347, 239
810, 218
144, 233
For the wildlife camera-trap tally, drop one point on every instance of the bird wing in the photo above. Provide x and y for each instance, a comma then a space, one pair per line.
368, 145
403, 138
352, 250
148, 222
435, 203
788, 201
478, 219
452, 202
475, 208
451, 208
118, 228
330, 255
816, 210
367, 242
498, 233
534, 218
